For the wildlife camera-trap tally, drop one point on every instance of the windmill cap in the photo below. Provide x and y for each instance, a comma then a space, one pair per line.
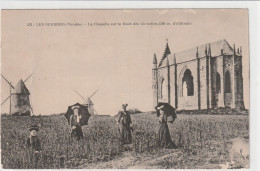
21, 88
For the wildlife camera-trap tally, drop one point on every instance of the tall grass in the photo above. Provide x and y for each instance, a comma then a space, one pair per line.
193, 134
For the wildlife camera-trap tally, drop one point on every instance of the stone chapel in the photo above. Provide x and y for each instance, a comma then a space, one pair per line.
204, 77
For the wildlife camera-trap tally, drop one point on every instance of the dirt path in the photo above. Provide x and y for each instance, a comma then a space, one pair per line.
150, 163
238, 152
121, 162
128, 160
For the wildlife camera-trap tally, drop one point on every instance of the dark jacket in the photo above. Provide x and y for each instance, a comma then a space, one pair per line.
125, 119
124, 128
34, 143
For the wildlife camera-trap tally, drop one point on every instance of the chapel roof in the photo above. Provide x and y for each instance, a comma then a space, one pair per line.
190, 54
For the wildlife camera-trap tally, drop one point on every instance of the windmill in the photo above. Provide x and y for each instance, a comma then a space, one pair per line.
89, 102
19, 100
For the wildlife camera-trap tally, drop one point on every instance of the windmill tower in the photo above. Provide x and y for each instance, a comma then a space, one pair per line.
19, 99
90, 106
89, 102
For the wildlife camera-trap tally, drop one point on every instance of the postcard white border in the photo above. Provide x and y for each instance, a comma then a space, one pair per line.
254, 40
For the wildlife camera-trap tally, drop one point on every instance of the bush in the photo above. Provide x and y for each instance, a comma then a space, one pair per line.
134, 111
131, 111
220, 111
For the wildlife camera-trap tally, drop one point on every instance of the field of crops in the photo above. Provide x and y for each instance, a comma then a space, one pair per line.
203, 140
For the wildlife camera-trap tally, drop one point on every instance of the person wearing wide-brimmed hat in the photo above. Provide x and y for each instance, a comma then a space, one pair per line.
125, 127
163, 134
33, 140
76, 130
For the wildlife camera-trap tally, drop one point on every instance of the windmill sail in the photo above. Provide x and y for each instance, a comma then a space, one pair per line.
88, 102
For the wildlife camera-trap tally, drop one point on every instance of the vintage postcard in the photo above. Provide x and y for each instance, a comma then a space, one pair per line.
125, 89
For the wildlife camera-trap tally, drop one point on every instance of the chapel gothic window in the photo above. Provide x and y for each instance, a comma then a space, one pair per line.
187, 84
227, 82
218, 89
163, 89
238, 81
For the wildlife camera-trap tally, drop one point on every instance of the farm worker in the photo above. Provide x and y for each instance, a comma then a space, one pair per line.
76, 130
125, 128
163, 135
33, 140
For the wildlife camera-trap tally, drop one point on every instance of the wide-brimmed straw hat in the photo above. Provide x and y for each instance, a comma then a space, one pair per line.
34, 127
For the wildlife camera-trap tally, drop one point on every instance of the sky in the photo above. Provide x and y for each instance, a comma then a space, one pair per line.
116, 60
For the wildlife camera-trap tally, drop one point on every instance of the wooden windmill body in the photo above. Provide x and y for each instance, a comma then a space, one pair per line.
20, 104
90, 106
